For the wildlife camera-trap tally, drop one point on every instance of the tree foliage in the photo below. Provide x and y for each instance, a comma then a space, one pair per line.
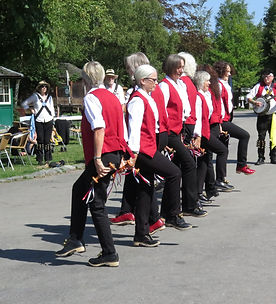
38, 35
238, 41
269, 36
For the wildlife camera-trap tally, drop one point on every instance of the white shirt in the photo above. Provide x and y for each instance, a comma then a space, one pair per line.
208, 98
93, 111
230, 97
119, 92
136, 111
181, 89
34, 100
128, 93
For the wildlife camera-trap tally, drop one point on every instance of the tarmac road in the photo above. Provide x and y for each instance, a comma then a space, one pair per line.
228, 257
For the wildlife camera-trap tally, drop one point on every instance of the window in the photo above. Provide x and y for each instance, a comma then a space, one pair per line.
5, 97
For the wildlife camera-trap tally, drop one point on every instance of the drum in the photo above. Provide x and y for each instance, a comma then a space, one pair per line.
264, 107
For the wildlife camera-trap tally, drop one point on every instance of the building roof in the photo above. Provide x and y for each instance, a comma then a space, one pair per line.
7, 73
72, 70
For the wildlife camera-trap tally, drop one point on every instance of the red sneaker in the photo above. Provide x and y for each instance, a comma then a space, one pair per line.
245, 169
157, 226
124, 219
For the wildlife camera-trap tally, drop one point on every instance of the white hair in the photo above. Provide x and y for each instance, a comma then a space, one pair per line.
93, 73
133, 61
200, 77
190, 64
143, 71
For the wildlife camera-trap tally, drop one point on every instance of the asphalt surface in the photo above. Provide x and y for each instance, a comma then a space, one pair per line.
228, 257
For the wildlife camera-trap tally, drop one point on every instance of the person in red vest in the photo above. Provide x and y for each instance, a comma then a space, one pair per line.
191, 91
126, 215
103, 143
142, 122
266, 86
215, 129
178, 109
224, 70
209, 131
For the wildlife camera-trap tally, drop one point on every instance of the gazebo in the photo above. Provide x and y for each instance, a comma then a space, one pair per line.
9, 86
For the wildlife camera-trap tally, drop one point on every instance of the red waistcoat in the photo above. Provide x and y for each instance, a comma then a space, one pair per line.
205, 131
174, 109
224, 96
261, 88
147, 132
192, 93
216, 116
158, 97
114, 130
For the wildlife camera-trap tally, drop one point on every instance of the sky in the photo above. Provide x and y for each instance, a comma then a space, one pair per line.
254, 6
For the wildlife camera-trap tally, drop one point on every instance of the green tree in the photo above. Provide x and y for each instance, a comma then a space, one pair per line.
238, 41
23, 35
191, 21
269, 36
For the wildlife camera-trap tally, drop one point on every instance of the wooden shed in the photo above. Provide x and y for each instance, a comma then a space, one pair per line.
9, 86
68, 95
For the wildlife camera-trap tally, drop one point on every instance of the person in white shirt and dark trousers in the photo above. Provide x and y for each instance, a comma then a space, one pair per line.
44, 111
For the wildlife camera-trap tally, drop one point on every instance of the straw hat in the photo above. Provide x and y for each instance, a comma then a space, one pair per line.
110, 72
42, 83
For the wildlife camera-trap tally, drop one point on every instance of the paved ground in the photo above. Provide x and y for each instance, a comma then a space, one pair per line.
228, 257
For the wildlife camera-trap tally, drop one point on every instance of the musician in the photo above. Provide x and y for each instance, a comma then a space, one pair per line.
224, 70
103, 143
178, 109
265, 87
44, 111
142, 119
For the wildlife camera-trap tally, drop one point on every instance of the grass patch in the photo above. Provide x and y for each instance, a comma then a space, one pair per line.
73, 155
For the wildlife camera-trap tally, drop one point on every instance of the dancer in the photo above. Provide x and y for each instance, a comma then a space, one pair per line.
103, 143
178, 110
224, 70
143, 117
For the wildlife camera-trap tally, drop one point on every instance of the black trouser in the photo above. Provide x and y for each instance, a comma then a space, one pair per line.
130, 188
97, 206
130, 192
44, 133
188, 169
162, 166
188, 132
243, 137
264, 126
205, 162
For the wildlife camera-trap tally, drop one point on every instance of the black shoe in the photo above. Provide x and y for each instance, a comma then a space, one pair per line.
211, 193
111, 260
223, 187
146, 241
228, 184
204, 200
71, 246
260, 161
273, 161
178, 222
197, 212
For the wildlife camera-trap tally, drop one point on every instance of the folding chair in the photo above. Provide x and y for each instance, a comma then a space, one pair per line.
4, 140
23, 139
56, 139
